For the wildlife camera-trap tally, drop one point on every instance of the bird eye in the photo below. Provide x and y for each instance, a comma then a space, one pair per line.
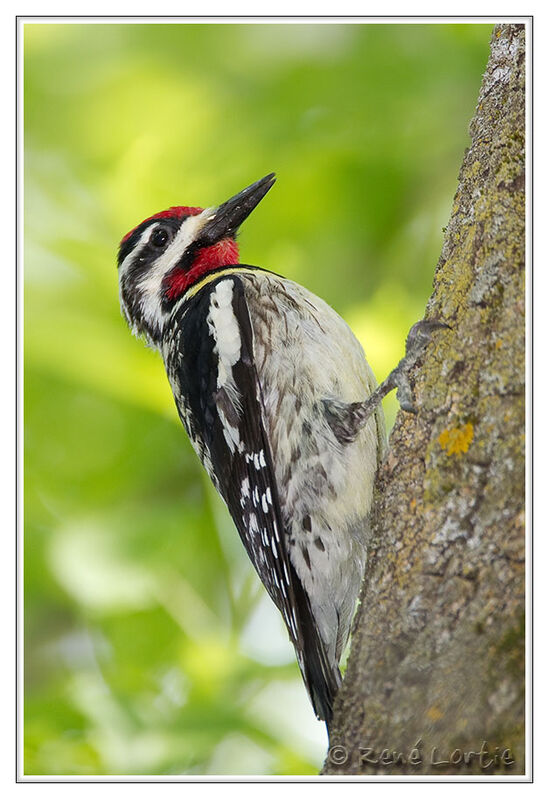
159, 237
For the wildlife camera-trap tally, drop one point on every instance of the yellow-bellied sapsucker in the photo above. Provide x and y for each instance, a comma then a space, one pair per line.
281, 406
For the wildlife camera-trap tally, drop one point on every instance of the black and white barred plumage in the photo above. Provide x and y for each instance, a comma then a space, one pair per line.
260, 369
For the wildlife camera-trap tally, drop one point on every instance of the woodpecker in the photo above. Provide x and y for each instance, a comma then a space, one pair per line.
281, 406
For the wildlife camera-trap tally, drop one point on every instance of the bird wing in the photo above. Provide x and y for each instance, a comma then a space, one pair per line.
229, 412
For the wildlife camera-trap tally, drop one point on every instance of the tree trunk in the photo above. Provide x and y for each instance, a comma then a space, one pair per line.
437, 660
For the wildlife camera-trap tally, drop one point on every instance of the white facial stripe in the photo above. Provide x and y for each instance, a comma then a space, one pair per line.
186, 234
151, 283
131, 256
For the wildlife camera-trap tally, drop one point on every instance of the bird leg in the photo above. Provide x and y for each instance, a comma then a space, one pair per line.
347, 419
416, 343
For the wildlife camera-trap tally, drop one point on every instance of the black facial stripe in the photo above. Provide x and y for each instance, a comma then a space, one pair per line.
130, 243
127, 246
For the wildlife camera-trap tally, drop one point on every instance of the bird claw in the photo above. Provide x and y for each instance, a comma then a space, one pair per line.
420, 335
416, 342
404, 393
405, 404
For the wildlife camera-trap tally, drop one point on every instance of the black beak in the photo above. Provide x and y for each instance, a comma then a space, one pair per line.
227, 218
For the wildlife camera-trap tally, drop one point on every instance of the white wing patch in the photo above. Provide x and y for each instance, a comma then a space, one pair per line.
253, 501
223, 326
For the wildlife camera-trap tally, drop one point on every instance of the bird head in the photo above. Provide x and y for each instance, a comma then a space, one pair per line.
161, 258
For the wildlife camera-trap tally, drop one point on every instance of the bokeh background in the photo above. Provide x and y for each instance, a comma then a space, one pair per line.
150, 647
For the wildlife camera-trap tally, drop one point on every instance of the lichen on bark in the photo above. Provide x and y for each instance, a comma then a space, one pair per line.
437, 657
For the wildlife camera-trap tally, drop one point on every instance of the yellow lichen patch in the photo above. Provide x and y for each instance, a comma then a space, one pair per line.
457, 439
434, 714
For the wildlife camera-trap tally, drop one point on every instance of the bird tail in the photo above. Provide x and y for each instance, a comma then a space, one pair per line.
320, 673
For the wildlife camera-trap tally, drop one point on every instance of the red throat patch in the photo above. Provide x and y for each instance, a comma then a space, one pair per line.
224, 253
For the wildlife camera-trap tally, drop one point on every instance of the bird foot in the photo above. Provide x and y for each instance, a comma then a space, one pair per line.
416, 343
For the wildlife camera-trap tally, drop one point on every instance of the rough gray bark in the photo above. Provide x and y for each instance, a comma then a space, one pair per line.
438, 647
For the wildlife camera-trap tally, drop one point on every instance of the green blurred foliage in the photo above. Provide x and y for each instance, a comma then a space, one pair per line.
150, 648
